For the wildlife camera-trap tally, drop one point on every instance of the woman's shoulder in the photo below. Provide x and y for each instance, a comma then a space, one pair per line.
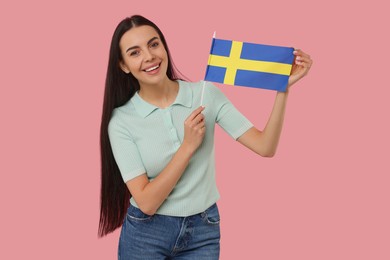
126, 108
122, 113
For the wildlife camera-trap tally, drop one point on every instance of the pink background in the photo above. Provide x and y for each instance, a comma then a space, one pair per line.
324, 196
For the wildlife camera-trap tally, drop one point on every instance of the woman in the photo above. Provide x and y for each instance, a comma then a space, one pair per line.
157, 148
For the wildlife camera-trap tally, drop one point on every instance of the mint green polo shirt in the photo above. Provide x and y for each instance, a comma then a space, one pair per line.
144, 138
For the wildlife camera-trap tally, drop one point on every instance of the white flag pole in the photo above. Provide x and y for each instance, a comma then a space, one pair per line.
204, 82
201, 98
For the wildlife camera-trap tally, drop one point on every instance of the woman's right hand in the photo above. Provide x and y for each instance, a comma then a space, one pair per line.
194, 130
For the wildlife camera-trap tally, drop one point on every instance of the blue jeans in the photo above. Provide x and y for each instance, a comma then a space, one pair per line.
164, 237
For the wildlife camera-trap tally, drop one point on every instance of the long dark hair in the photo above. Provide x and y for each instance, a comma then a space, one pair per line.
119, 88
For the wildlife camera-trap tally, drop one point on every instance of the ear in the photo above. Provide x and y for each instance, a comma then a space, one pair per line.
124, 67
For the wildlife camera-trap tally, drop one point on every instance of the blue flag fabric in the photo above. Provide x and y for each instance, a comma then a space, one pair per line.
249, 64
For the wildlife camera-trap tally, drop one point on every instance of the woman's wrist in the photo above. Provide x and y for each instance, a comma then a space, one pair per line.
285, 93
186, 150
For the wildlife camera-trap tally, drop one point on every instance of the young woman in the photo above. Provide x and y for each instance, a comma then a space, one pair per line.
157, 148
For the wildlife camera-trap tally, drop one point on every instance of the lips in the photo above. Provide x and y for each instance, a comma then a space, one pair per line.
152, 68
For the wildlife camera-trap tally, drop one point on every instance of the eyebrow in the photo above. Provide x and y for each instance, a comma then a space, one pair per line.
134, 47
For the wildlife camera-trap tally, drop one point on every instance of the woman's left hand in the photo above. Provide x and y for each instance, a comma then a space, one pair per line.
300, 67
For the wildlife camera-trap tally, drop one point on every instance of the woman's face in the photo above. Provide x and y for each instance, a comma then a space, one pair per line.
144, 55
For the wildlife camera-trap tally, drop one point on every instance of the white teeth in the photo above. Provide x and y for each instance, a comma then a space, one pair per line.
152, 68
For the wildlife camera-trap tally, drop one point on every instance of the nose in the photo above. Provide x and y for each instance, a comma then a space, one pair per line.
148, 55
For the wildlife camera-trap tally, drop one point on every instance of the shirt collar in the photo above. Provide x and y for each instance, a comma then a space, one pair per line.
184, 98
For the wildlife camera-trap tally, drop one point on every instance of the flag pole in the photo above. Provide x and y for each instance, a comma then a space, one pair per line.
204, 82
201, 99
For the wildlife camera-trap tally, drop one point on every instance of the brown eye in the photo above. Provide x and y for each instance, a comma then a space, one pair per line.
134, 53
154, 44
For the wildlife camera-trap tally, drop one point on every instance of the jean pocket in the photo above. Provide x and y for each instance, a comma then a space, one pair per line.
135, 214
211, 215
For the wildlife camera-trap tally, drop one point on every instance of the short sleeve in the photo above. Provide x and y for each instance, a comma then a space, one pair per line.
228, 117
125, 151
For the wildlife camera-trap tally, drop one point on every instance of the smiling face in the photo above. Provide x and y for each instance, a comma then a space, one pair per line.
144, 55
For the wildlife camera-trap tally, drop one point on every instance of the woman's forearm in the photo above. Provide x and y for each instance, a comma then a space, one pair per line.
273, 129
149, 195
266, 142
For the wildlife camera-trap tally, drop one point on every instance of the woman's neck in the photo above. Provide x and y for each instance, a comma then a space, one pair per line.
161, 95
